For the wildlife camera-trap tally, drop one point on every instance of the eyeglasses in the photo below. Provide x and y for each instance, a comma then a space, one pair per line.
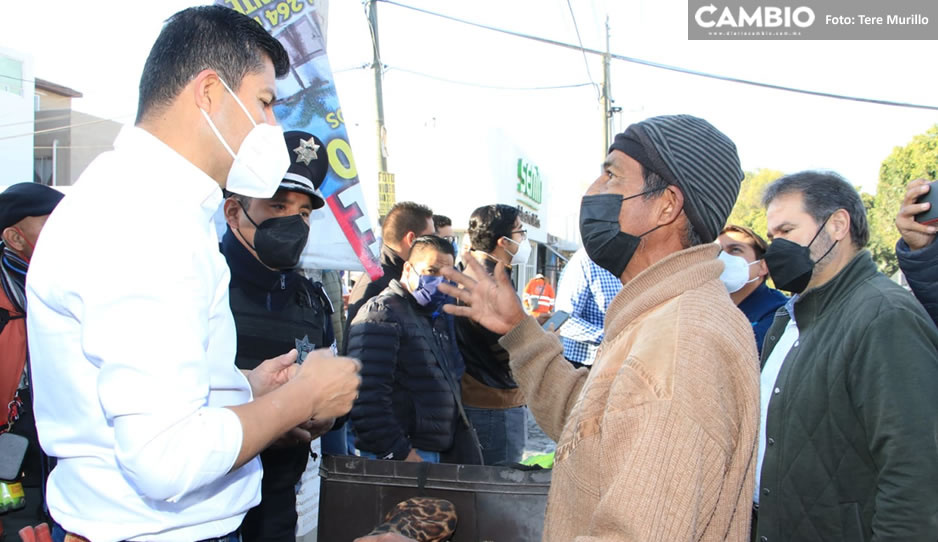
450, 238
523, 232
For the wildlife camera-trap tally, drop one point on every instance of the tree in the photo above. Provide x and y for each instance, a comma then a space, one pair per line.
749, 211
918, 158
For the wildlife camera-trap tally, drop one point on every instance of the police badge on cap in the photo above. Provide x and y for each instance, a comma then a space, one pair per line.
308, 165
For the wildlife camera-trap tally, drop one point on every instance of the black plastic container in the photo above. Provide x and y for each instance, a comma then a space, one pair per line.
494, 504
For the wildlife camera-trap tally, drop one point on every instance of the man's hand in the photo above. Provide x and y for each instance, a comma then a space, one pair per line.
332, 383
413, 457
272, 373
544, 317
492, 302
917, 236
305, 432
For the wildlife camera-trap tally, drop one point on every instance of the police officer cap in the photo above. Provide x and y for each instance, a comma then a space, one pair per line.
21, 200
308, 165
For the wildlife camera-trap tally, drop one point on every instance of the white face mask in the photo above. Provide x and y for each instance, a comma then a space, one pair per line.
522, 254
735, 272
262, 159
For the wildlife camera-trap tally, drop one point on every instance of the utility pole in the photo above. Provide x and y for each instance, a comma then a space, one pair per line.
605, 101
386, 192
379, 74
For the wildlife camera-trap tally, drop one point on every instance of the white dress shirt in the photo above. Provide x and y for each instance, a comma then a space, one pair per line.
132, 344
773, 366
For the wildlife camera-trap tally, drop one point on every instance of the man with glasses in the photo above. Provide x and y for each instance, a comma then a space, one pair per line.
493, 401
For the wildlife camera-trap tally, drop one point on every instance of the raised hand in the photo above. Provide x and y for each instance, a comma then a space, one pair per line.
916, 235
492, 302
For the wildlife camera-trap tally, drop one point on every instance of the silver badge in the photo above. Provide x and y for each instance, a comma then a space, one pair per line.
303, 348
306, 152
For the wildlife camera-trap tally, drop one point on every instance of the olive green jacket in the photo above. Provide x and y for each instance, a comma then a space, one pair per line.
852, 428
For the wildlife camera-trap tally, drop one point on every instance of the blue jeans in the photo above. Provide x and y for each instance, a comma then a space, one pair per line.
428, 456
335, 442
502, 433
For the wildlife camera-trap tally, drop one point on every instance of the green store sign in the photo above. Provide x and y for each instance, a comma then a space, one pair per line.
529, 180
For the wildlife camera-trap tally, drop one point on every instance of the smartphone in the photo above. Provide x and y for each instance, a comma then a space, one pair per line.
931, 215
554, 322
12, 450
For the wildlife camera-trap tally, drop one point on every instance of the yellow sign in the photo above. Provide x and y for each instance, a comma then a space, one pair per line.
386, 198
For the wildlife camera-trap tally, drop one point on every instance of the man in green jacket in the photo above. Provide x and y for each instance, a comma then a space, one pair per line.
848, 447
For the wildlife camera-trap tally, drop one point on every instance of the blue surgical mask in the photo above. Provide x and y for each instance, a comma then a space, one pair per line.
427, 293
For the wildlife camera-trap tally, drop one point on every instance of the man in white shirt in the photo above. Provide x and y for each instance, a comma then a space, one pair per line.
133, 342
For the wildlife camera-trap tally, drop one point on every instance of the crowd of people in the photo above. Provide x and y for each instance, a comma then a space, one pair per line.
688, 399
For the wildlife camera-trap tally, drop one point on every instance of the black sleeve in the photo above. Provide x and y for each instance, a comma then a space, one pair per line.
374, 338
920, 268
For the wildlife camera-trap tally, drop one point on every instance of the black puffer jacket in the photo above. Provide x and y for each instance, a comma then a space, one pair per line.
404, 401
920, 269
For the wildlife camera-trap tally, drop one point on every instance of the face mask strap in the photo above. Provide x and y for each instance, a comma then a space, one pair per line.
820, 230
819, 233
256, 227
23, 235
659, 225
218, 134
633, 196
233, 95
513, 241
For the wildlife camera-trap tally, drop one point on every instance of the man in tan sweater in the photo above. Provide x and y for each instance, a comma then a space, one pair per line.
657, 442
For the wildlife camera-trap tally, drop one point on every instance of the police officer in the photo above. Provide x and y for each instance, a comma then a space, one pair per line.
275, 309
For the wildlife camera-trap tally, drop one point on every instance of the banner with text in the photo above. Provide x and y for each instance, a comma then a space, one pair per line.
340, 236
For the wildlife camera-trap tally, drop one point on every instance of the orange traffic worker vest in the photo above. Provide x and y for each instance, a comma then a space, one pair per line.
538, 296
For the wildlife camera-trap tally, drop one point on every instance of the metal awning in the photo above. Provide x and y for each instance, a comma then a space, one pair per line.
554, 250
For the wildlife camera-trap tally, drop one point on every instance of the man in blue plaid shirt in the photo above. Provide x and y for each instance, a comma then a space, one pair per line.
585, 292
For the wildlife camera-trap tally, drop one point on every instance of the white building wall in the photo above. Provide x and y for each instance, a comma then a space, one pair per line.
17, 117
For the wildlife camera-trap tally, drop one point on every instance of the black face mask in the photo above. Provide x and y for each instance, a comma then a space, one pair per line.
790, 264
605, 244
279, 241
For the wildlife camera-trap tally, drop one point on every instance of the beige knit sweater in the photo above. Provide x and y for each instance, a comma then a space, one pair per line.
658, 440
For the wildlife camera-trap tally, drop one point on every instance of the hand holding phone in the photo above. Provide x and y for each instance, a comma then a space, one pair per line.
554, 322
930, 215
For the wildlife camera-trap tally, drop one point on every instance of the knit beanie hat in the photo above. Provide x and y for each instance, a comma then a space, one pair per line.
688, 152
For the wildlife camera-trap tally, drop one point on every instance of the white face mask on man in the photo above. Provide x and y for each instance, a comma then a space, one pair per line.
522, 254
262, 159
735, 272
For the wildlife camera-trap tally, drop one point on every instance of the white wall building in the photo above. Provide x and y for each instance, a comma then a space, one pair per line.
454, 181
17, 117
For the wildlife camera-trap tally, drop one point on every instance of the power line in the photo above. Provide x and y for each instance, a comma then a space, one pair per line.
67, 127
34, 120
668, 67
479, 85
580, 41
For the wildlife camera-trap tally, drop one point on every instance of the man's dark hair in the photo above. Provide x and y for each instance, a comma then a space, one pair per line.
205, 37
758, 244
655, 185
431, 242
440, 221
405, 217
823, 193
490, 223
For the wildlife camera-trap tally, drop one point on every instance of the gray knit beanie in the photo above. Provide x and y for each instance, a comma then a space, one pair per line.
691, 154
